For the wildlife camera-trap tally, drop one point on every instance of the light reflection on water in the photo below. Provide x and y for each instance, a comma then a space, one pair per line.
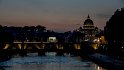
49, 62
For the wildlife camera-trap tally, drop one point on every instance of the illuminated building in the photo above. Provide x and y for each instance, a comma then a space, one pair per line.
89, 30
52, 39
88, 24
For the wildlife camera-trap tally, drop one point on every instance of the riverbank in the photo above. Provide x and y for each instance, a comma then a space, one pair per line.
106, 61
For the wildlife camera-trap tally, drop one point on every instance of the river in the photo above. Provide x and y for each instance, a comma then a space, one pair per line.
50, 62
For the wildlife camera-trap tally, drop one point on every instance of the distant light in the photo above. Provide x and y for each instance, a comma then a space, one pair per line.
95, 40
98, 40
122, 47
86, 40
52, 39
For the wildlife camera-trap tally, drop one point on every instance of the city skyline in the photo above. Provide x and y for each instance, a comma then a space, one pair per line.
57, 15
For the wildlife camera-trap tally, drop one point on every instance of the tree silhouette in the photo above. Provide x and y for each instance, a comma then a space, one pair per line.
114, 27
114, 32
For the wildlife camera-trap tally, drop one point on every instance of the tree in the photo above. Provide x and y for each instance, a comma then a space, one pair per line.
114, 27
114, 32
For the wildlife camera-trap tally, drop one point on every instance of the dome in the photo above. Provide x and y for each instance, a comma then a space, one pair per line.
88, 21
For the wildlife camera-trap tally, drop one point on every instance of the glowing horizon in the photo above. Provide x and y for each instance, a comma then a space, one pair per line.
57, 15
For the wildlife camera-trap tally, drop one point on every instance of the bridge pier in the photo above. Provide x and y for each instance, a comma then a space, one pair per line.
77, 49
41, 52
60, 52
23, 52
72, 49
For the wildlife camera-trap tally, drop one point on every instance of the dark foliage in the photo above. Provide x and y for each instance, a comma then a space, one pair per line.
114, 33
114, 27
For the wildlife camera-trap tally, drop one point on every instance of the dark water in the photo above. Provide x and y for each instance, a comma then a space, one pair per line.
49, 62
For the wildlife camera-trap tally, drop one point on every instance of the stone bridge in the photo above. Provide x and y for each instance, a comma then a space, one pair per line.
42, 47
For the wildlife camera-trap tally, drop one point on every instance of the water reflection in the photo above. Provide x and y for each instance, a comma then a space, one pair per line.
49, 62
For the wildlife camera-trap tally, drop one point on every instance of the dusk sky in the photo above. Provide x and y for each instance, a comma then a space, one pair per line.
57, 15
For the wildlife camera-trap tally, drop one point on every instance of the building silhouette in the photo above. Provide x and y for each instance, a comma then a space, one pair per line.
89, 30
